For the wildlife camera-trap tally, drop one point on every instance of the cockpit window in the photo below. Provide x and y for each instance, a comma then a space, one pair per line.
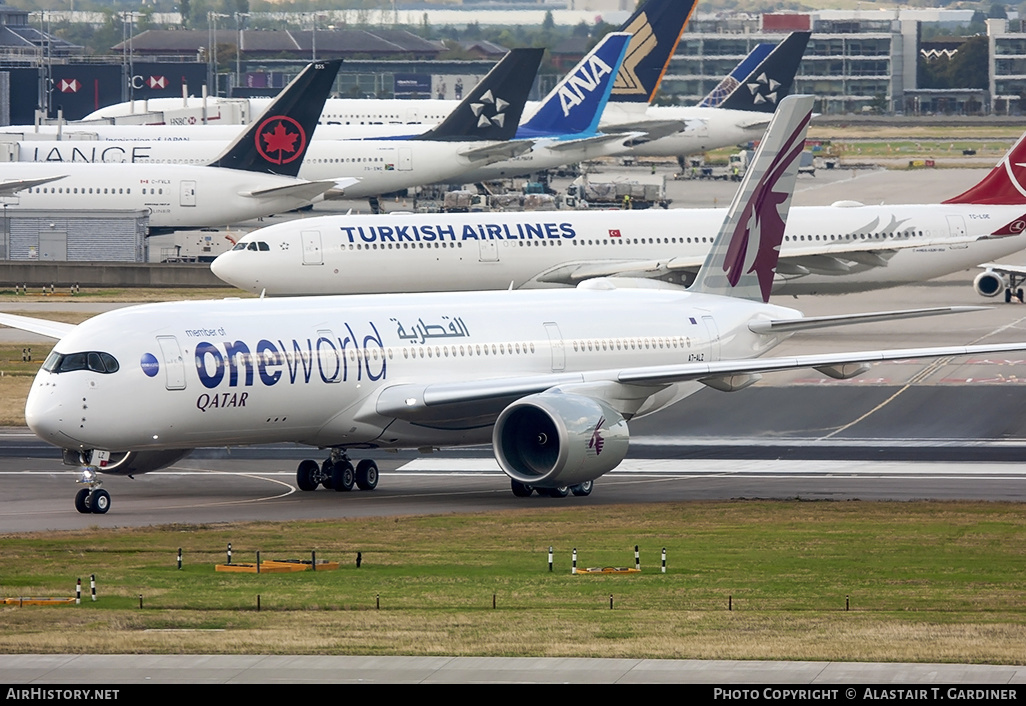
253, 245
96, 361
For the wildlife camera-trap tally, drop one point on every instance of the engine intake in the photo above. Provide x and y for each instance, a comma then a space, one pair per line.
127, 463
554, 439
989, 283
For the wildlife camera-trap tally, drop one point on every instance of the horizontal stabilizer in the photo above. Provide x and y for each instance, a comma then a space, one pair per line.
302, 190
498, 151
814, 322
8, 188
594, 140
42, 327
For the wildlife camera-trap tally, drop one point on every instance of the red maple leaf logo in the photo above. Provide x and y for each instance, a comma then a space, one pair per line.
280, 144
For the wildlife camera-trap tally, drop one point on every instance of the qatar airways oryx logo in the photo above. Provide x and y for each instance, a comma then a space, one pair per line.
597, 440
581, 83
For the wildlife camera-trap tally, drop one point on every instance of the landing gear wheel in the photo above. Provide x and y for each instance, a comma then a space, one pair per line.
583, 489
1018, 295
367, 474
1008, 296
342, 476
560, 492
305, 475
82, 501
326, 479
521, 490
100, 502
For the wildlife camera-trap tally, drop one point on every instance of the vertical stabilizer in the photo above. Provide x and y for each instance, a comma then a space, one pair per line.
656, 27
575, 105
1004, 184
277, 140
492, 110
743, 258
732, 80
772, 79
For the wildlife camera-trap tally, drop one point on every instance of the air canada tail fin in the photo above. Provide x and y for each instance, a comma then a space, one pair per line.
732, 80
492, 110
575, 105
772, 79
743, 258
656, 26
276, 141
1005, 184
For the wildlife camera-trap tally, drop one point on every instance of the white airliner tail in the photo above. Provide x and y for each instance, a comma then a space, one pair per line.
743, 258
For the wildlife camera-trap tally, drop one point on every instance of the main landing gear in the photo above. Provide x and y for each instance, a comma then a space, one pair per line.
92, 499
337, 473
522, 490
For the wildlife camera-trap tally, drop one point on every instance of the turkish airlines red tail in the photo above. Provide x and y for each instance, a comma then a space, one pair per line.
1003, 185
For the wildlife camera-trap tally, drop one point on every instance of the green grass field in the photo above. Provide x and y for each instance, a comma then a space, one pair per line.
924, 581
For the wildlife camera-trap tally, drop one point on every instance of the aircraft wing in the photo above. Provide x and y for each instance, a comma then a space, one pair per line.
497, 151
13, 186
303, 190
1009, 269
599, 139
43, 327
437, 403
653, 129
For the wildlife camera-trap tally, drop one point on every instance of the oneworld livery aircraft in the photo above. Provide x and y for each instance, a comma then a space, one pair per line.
551, 379
846, 247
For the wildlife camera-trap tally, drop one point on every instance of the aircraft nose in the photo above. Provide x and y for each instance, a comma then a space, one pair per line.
47, 415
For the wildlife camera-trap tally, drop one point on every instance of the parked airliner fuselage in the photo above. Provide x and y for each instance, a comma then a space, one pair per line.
826, 249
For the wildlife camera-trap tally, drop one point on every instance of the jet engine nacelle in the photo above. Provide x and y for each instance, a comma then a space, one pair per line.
127, 463
989, 283
553, 439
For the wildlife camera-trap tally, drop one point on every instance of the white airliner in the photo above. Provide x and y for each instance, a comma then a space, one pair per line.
479, 131
846, 247
562, 130
549, 378
254, 176
671, 131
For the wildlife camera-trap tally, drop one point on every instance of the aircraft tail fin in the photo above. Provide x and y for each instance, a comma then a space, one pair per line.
772, 79
732, 80
575, 105
656, 27
276, 141
492, 110
744, 255
1004, 184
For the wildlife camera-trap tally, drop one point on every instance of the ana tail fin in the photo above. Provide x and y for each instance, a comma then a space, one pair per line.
1003, 184
772, 79
492, 110
656, 26
744, 255
276, 142
575, 105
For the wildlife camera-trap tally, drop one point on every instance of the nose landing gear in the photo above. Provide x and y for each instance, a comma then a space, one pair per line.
92, 499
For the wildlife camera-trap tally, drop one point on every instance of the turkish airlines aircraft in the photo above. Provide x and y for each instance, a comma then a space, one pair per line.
846, 247
254, 176
551, 379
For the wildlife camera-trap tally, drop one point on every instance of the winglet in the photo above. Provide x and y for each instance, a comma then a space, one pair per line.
277, 140
575, 105
657, 26
744, 255
762, 90
1003, 184
492, 110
